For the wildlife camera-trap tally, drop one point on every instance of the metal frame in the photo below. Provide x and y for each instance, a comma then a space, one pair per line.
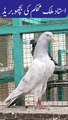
57, 26
60, 76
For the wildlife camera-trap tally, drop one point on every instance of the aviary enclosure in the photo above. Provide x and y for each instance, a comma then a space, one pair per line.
16, 57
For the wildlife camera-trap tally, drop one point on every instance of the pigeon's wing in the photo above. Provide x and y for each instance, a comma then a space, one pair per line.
33, 76
31, 79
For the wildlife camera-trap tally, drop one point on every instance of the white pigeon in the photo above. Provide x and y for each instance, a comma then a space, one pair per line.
41, 69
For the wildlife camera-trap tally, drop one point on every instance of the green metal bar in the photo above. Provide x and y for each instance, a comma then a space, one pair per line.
6, 77
60, 57
18, 51
34, 28
18, 60
31, 21
6, 80
63, 51
48, 94
40, 20
18, 57
17, 22
60, 90
52, 19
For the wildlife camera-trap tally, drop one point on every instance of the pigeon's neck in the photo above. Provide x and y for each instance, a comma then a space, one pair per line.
41, 49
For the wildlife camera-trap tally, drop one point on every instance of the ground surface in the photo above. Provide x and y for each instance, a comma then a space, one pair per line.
21, 109
30, 113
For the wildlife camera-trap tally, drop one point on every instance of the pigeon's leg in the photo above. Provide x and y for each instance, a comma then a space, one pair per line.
38, 97
39, 105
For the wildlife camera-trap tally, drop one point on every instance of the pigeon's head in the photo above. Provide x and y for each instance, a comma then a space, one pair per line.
47, 36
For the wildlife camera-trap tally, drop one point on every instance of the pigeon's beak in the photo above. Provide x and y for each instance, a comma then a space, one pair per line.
53, 39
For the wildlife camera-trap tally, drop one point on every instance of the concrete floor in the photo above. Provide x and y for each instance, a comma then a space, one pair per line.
21, 109
30, 113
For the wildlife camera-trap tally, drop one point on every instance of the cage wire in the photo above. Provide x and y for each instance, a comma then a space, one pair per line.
59, 43
7, 65
5, 22
27, 48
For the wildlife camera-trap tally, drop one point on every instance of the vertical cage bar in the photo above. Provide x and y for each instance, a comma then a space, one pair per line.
48, 93
17, 21
18, 58
60, 77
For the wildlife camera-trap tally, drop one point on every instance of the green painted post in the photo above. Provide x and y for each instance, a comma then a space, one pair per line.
18, 58
17, 21
60, 77
60, 57
48, 94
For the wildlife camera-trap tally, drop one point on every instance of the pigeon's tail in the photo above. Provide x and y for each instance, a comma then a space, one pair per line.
11, 102
12, 98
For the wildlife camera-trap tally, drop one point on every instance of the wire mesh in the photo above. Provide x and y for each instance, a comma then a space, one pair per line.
5, 22
52, 94
56, 93
60, 91
6, 67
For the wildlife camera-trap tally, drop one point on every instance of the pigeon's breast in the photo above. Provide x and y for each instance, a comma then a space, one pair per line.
50, 67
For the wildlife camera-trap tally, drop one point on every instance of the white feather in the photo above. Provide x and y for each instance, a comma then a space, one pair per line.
41, 69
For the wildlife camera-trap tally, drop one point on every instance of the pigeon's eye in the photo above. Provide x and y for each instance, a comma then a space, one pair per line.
47, 35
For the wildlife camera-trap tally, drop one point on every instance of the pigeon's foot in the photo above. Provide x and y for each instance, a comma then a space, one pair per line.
40, 106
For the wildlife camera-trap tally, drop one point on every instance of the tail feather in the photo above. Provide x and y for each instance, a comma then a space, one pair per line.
11, 102
12, 98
